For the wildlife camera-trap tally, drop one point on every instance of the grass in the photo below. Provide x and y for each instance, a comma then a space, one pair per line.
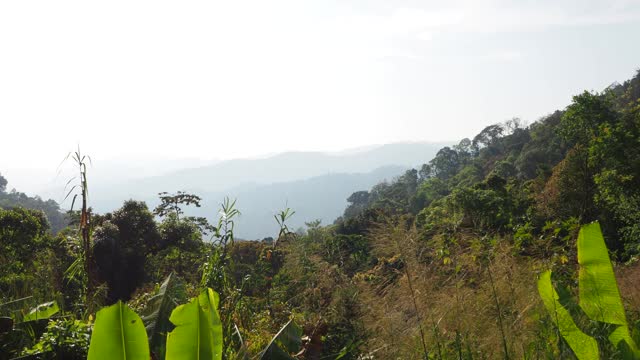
456, 297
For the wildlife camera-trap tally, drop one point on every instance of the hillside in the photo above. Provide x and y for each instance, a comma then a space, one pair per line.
522, 242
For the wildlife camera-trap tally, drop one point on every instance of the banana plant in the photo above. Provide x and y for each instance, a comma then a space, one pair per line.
157, 312
284, 343
599, 300
118, 334
198, 331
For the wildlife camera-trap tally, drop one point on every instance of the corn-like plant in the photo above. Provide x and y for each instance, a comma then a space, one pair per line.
599, 300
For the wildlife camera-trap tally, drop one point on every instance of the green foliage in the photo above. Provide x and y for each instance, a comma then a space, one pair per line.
137, 227
350, 252
24, 241
599, 300
583, 346
599, 294
284, 344
56, 220
198, 331
157, 312
119, 264
118, 334
171, 203
63, 338
42, 311
514, 197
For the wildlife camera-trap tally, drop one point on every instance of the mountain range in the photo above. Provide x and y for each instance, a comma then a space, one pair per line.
313, 184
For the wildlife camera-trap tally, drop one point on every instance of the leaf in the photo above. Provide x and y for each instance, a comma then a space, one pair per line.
583, 346
286, 342
118, 333
156, 314
42, 311
599, 294
198, 332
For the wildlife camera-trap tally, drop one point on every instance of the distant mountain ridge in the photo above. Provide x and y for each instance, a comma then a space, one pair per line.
319, 198
290, 166
228, 175
314, 184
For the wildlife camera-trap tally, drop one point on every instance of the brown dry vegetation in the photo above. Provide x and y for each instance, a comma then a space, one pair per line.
460, 313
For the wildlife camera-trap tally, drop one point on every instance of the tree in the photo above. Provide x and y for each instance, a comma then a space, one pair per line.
587, 116
583, 124
425, 173
137, 226
3, 184
123, 242
446, 163
21, 231
171, 203
488, 136
120, 264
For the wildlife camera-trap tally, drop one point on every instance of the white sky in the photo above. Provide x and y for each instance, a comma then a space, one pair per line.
213, 79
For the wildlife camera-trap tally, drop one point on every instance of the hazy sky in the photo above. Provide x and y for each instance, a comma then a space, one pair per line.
220, 79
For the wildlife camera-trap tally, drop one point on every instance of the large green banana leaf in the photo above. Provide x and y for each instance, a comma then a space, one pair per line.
286, 342
599, 295
198, 332
156, 314
118, 334
583, 346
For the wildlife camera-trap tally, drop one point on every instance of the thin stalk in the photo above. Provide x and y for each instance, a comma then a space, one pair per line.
415, 306
500, 325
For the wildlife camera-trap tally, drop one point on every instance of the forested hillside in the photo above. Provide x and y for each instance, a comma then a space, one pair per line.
449, 260
11, 199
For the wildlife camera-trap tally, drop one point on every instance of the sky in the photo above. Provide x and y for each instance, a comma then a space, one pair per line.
167, 80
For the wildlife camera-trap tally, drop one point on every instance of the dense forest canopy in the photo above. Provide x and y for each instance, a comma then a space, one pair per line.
440, 263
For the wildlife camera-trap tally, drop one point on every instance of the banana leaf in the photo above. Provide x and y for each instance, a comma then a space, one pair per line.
156, 314
286, 342
118, 334
599, 295
198, 331
583, 346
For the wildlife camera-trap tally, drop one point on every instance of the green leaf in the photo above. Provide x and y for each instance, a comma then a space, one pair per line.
198, 332
118, 334
599, 295
42, 311
156, 314
286, 342
583, 346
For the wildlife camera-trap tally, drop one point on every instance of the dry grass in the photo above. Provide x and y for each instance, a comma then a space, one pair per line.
456, 303
628, 277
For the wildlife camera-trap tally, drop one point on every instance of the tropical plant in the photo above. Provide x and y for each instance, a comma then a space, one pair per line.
157, 311
198, 331
286, 342
599, 300
119, 333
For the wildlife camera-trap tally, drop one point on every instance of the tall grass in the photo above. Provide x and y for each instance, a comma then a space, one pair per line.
474, 313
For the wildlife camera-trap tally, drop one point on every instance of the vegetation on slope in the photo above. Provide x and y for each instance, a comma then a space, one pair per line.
440, 263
